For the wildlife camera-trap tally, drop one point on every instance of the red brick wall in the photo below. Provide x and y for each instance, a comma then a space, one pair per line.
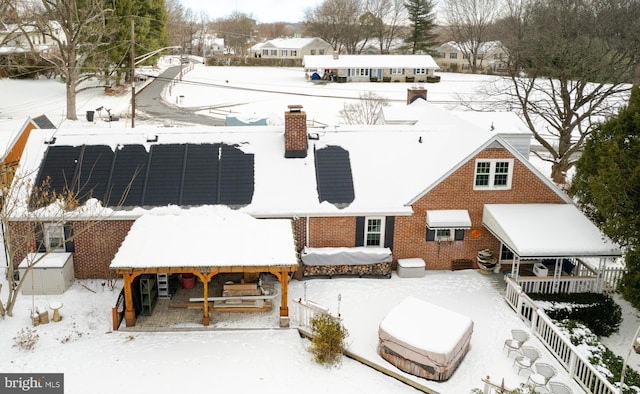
332, 232
96, 243
456, 192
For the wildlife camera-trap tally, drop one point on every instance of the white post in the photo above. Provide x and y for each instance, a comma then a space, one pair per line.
624, 364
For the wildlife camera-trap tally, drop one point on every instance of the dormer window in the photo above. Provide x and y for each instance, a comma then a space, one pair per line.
493, 174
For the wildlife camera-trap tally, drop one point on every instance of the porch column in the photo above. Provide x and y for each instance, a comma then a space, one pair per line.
205, 278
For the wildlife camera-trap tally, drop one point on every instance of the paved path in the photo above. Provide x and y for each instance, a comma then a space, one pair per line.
149, 103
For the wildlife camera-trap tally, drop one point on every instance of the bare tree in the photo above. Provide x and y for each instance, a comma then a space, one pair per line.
339, 22
570, 64
365, 111
237, 31
46, 227
469, 25
77, 30
392, 15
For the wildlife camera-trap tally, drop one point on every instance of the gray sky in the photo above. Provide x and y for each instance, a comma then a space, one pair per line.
264, 11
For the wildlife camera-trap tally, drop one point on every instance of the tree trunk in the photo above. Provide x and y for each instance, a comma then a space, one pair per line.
71, 100
559, 172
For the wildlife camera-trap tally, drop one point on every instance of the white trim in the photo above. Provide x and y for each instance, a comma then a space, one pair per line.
50, 231
366, 230
493, 174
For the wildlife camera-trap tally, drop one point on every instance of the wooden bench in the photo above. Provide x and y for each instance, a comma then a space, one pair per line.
238, 303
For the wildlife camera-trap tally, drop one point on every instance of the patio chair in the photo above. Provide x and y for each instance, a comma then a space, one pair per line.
558, 388
525, 361
513, 344
542, 373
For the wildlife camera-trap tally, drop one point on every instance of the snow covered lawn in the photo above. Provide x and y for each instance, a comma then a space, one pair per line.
249, 352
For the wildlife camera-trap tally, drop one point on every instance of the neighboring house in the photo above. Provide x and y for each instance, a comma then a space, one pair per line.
491, 57
13, 138
14, 39
374, 194
291, 48
363, 68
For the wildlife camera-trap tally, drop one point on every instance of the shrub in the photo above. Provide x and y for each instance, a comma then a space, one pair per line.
433, 79
26, 339
373, 79
601, 357
386, 79
599, 312
409, 79
328, 343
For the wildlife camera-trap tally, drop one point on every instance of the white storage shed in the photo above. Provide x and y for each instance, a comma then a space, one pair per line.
51, 274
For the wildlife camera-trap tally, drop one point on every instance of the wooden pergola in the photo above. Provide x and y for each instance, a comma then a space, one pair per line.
206, 242
205, 274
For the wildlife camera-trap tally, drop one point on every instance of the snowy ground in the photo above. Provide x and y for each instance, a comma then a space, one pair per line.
248, 351
96, 360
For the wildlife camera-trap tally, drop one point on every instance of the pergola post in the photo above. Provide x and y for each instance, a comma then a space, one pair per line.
129, 310
205, 278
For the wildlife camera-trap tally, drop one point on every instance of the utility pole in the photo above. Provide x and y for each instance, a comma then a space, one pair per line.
133, 74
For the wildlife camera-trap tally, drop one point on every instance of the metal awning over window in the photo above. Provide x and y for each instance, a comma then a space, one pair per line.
448, 218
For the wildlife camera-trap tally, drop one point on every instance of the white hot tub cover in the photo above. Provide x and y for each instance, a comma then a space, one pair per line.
434, 338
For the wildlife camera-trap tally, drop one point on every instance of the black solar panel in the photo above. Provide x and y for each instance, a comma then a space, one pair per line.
181, 174
164, 177
43, 122
94, 172
236, 177
333, 176
200, 184
127, 180
58, 169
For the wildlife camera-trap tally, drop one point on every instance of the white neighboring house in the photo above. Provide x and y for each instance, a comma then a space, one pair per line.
211, 45
291, 48
491, 57
364, 68
14, 39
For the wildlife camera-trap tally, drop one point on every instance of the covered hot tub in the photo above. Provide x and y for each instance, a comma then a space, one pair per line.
424, 339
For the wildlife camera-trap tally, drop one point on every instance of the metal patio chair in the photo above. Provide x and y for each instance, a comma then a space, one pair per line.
558, 388
518, 338
525, 360
542, 374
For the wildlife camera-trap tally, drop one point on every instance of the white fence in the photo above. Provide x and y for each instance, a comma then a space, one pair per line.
563, 350
303, 312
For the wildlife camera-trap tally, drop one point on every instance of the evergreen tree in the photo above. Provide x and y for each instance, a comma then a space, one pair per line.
150, 19
422, 23
607, 186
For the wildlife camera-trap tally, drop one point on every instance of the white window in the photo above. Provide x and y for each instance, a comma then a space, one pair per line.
362, 72
374, 231
418, 71
321, 51
444, 234
274, 52
265, 52
54, 237
313, 51
294, 53
397, 71
285, 52
453, 55
493, 174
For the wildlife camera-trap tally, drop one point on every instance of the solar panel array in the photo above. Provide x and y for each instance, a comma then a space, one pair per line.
181, 174
333, 176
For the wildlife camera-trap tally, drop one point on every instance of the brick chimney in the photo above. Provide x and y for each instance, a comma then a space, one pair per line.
414, 93
295, 132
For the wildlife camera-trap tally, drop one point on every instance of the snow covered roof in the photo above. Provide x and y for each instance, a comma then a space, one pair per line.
291, 43
373, 61
387, 162
213, 236
546, 230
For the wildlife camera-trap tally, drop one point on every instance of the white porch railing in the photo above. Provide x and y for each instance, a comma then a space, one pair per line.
564, 284
303, 312
578, 367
